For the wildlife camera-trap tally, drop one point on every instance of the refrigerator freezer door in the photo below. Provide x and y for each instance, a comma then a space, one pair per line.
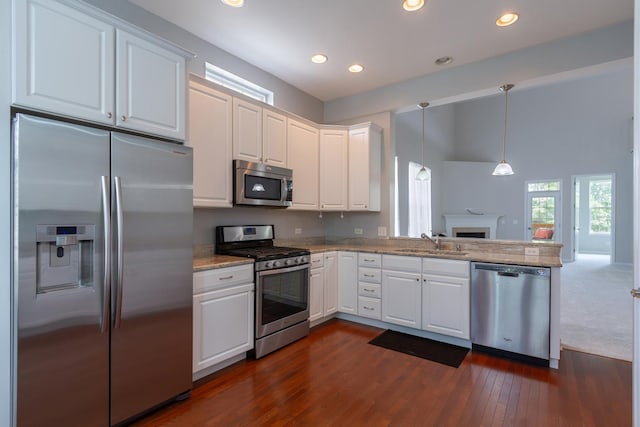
59, 285
152, 292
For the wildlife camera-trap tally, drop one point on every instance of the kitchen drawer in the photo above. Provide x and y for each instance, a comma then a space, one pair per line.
317, 260
369, 307
446, 267
209, 280
371, 290
369, 260
372, 275
407, 264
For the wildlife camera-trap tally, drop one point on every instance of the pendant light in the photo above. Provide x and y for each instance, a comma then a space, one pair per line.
424, 174
503, 167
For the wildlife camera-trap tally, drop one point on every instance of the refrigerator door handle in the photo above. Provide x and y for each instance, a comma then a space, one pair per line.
120, 251
106, 213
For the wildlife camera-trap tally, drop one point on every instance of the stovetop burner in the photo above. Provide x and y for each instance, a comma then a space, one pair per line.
257, 242
268, 252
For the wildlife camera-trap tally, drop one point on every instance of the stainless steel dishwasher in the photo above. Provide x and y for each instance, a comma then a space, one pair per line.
510, 309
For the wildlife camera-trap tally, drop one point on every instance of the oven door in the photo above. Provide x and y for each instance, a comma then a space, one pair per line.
282, 298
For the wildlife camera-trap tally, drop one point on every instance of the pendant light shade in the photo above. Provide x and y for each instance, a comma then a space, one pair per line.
503, 167
423, 174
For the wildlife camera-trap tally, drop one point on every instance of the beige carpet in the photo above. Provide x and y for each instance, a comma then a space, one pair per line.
596, 313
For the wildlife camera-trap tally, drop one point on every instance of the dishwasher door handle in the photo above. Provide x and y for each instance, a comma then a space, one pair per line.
508, 274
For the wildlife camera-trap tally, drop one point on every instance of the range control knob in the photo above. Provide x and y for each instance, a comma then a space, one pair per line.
287, 261
276, 263
267, 264
300, 260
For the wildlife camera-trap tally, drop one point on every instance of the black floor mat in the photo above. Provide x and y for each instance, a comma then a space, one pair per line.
447, 354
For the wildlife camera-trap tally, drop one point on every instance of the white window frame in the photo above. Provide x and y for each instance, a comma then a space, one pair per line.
419, 196
237, 83
528, 232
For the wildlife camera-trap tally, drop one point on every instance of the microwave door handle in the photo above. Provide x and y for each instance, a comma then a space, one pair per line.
283, 189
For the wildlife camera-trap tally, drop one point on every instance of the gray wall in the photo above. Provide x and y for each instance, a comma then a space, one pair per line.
439, 137
554, 132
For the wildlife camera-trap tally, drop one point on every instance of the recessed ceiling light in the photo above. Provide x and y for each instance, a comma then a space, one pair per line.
319, 58
412, 5
444, 60
507, 19
356, 68
234, 3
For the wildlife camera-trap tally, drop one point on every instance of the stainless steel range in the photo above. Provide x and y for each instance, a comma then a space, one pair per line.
282, 284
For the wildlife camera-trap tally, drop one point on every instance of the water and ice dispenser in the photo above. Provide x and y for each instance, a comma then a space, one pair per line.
64, 256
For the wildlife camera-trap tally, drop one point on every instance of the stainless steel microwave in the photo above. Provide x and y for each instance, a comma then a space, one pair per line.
257, 184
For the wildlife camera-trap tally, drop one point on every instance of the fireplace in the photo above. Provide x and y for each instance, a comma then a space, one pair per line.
472, 232
467, 225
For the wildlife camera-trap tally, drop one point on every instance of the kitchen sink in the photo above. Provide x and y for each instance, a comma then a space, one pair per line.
431, 251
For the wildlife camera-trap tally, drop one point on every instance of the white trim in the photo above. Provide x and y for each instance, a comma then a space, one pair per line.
237, 83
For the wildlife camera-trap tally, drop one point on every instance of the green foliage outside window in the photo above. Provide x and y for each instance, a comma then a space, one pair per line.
600, 206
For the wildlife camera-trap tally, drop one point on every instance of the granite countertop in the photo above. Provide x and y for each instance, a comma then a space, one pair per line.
204, 258
499, 252
464, 254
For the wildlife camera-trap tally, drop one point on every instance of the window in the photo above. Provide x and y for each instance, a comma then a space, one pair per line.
543, 210
600, 206
419, 203
237, 83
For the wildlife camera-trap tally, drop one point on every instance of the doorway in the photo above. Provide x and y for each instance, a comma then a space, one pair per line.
593, 215
543, 210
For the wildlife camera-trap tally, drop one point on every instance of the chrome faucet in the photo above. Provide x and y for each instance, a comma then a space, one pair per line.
436, 242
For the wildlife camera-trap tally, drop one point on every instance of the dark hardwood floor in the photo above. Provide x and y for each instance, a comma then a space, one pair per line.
335, 378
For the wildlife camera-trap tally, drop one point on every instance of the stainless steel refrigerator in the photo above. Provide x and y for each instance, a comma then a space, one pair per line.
102, 273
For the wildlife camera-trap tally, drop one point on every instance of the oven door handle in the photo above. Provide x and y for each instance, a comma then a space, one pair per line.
283, 270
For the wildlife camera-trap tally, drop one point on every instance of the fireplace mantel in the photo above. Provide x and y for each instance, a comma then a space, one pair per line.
472, 221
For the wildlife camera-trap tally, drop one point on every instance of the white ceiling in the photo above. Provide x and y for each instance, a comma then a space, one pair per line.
279, 36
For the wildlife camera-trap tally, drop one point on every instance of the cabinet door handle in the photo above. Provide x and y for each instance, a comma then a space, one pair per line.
109, 115
123, 118
226, 277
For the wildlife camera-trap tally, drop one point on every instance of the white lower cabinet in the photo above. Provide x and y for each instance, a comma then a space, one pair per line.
223, 315
401, 298
316, 288
446, 297
348, 282
323, 286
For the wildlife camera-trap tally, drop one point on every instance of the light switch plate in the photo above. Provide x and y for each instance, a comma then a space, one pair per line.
532, 251
382, 231
298, 231
357, 230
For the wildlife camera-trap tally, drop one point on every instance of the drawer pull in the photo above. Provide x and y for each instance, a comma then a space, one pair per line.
316, 260
369, 260
225, 277
368, 290
369, 275
368, 308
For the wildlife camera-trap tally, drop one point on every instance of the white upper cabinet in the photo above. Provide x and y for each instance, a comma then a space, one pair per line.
150, 87
63, 61
247, 131
333, 169
84, 66
210, 132
274, 138
302, 158
365, 146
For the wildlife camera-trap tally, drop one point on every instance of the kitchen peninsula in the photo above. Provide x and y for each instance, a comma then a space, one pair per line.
352, 291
